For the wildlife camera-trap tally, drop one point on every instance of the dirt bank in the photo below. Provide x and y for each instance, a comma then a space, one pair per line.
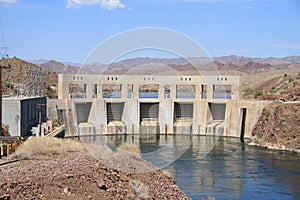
278, 127
78, 175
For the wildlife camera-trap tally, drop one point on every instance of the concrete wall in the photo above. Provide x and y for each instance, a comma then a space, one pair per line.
11, 115
254, 109
21, 114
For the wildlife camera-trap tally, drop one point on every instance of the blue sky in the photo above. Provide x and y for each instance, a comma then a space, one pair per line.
67, 30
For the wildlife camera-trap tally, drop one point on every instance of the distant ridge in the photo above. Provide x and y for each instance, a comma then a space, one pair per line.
38, 61
235, 64
270, 60
58, 67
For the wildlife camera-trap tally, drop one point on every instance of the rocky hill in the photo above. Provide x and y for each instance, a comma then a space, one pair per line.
280, 87
13, 77
278, 127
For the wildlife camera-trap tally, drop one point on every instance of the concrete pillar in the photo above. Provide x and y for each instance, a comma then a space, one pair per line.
124, 91
89, 91
136, 91
196, 117
173, 91
235, 92
166, 113
100, 91
198, 91
161, 91
99, 109
202, 109
210, 92
62, 88
131, 116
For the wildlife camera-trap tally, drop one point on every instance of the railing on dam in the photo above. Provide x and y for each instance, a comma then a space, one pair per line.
136, 86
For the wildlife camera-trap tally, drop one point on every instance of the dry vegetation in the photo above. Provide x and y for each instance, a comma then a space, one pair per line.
49, 146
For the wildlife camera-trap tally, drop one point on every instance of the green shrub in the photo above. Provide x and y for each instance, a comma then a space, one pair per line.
273, 90
258, 93
260, 133
291, 80
268, 112
50, 94
9, 84
285, 75
248, 91
281, 120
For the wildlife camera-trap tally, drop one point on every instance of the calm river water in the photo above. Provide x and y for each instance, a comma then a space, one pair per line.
224, 168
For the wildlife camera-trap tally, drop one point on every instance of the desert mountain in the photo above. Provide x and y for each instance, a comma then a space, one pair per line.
58, 67
241, 60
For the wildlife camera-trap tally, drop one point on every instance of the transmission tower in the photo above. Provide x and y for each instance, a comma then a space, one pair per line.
33, 83
4, 48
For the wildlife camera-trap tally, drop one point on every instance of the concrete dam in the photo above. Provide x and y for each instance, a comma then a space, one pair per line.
137, 104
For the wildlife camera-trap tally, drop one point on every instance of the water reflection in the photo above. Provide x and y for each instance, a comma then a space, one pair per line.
224, 168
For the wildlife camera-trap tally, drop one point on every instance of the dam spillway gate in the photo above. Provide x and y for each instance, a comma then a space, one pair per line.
137, 104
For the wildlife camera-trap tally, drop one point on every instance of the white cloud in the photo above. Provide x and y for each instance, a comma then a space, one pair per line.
105, 4
112, 4
8, 1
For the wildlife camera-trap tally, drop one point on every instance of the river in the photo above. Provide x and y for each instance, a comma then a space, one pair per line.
219, 167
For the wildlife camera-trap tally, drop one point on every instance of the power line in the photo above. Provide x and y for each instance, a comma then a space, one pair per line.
4, 48
2, 33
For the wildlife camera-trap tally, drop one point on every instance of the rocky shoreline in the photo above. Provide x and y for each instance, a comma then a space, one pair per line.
78, 175
278, 127
273, 147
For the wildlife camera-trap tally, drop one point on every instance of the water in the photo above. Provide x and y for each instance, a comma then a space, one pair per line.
231, 170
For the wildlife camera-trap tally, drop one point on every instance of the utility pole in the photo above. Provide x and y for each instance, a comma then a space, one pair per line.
3, 64
40, 106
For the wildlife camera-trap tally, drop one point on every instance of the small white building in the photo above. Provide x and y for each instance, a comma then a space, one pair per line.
21, 114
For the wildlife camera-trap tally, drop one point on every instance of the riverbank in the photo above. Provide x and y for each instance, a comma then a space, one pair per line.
278, 127
72, 173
